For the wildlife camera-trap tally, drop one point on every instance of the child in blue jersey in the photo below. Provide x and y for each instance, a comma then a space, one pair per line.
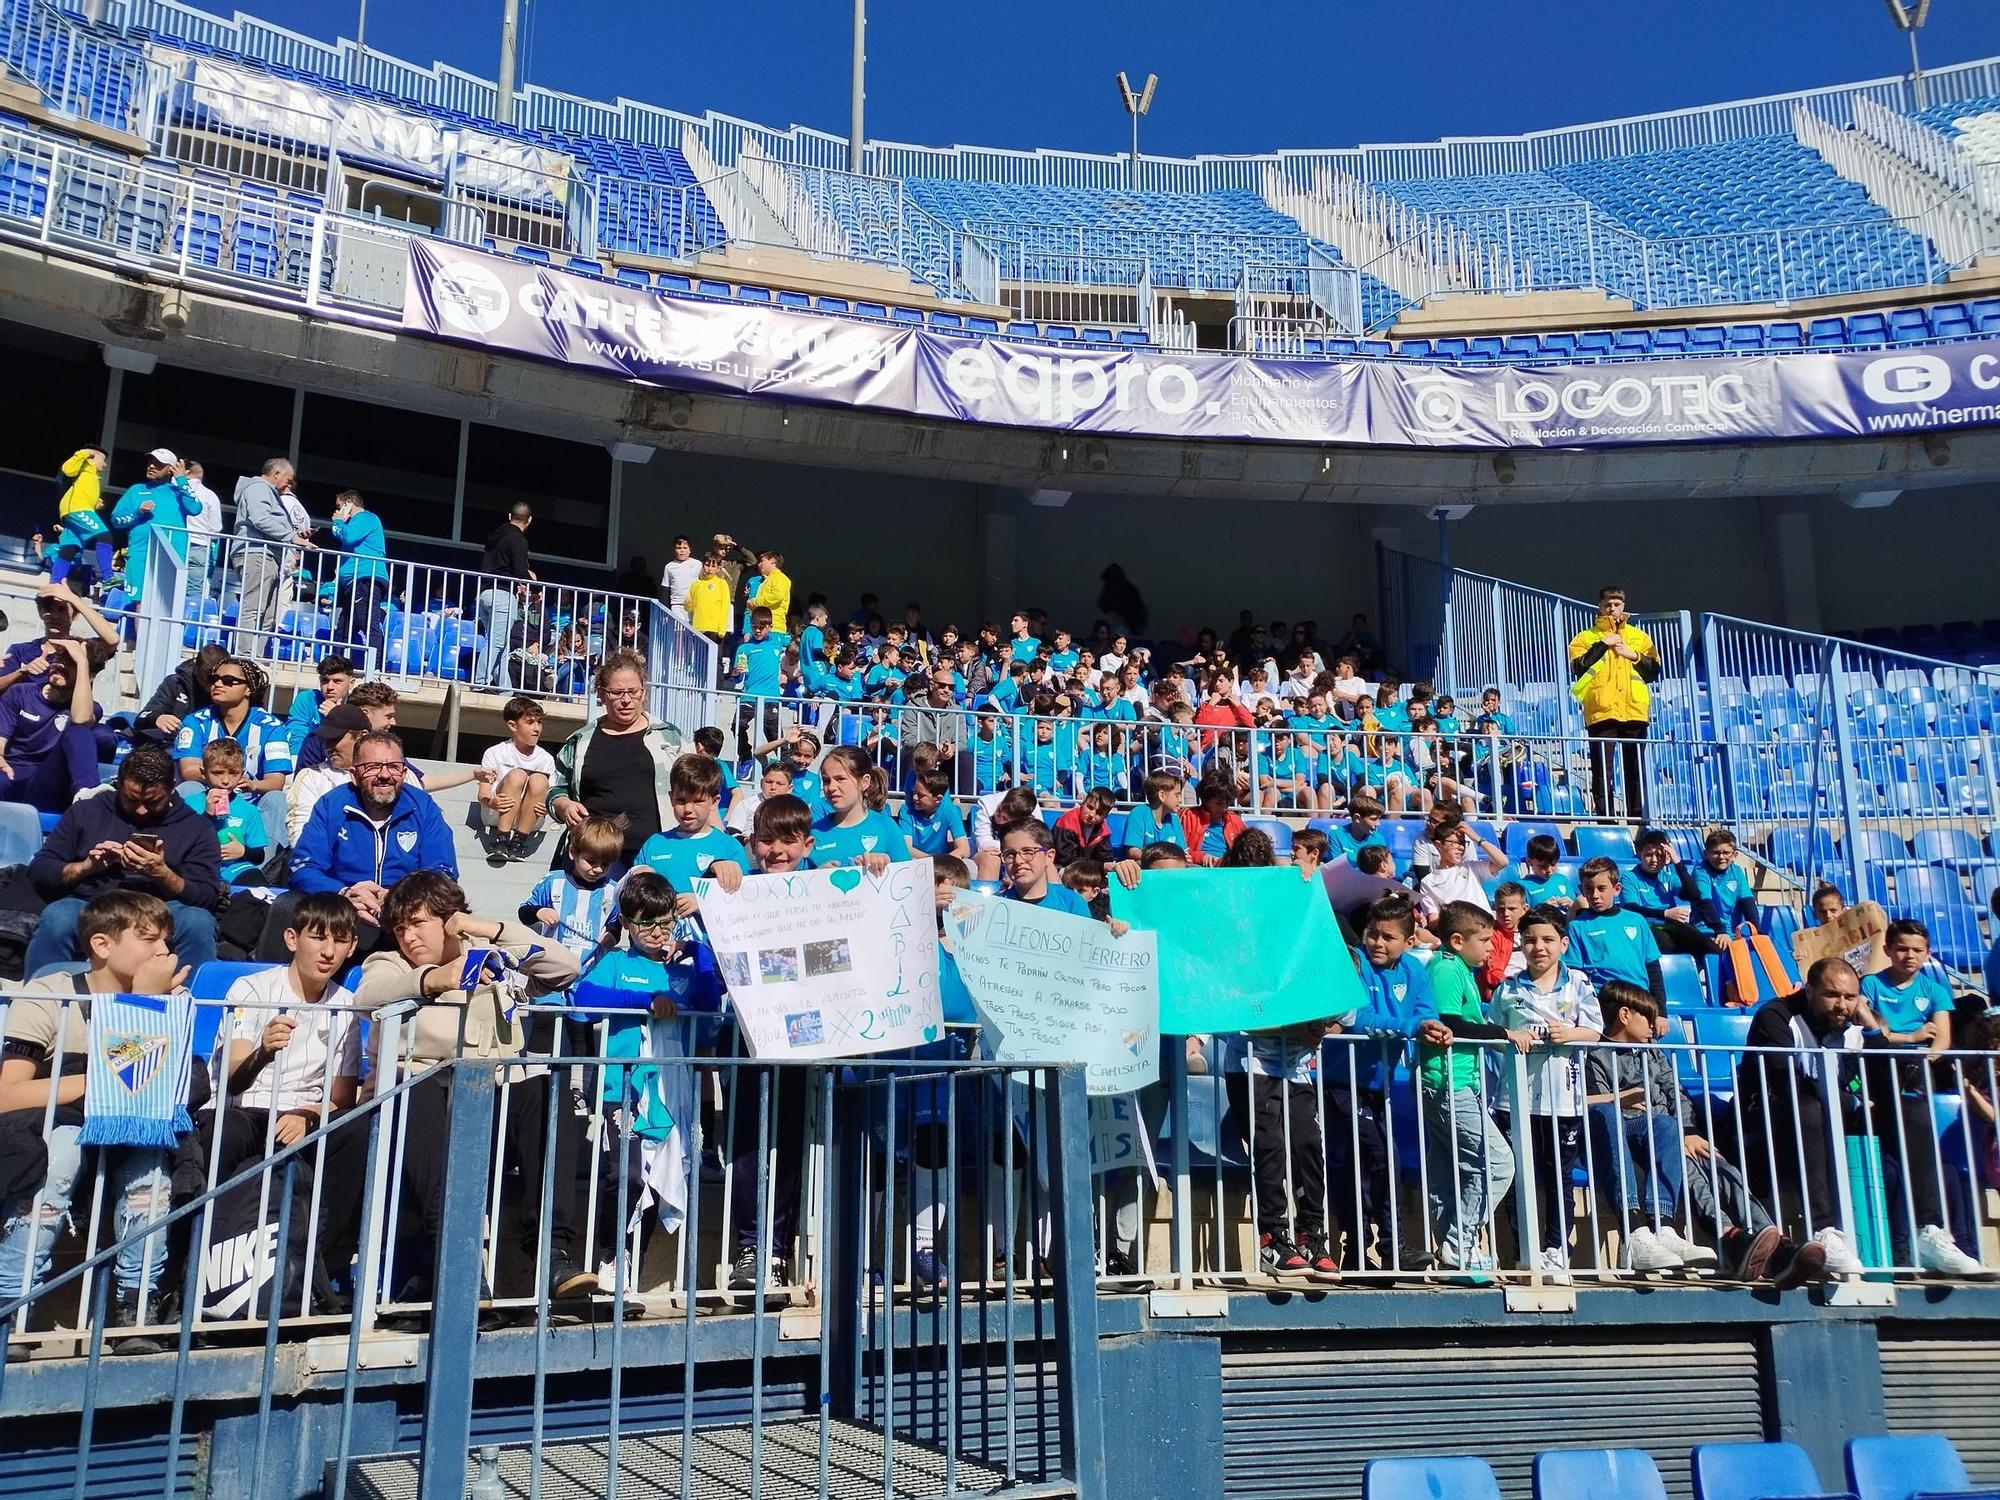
992, 753
574, 906
694, 847
1284, 776
1391, 715
1909, 1002
1063, 656
1160, 820
1363, 826
1027, 861
1607, 941
1721, 896
1389, 777
931, 821
1051, 759
851, 832
884, 681
1360, 1072
1546, 1009
1104, 761
1656, 888
1023, 645
1541, 877
760, 677
815, 658
238, 821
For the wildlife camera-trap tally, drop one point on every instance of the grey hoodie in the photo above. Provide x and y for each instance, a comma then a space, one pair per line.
260, 511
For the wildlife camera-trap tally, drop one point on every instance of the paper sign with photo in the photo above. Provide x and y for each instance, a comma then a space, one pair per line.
829, 963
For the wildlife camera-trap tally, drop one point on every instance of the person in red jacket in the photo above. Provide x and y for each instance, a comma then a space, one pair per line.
1084, 832
1217, 825
1221, 709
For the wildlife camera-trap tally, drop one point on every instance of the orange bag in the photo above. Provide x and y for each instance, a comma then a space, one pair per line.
1755, 970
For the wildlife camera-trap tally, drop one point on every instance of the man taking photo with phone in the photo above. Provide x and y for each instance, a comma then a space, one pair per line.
142, 837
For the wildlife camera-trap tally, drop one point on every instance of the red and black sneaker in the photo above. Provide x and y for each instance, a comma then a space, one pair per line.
1320, 1266
1280, 1257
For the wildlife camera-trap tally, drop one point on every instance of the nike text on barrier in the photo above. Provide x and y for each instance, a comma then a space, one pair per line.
513, 307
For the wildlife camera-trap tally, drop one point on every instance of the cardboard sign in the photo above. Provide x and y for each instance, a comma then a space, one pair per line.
1855, 935
829, 963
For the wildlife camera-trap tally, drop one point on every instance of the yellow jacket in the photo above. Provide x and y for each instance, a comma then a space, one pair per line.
708, 605
1607, 686
775, 594
88, 488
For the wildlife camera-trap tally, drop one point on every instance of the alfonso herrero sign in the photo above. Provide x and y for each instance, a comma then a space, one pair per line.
829, 963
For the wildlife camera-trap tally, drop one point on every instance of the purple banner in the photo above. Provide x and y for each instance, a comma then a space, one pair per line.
509, 306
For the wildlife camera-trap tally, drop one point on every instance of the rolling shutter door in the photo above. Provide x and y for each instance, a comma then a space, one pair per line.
1950, 1386
1300, 1423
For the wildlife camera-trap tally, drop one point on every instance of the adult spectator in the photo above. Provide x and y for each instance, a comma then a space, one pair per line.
142, 837
59, 607
1120, 599
1784, 1109
233, 714
48, 745
1361, 644
617, 764
1613, 662
336, 733
679, 577
204, 529
362, 576
505, 557
936, 720
179, 694
163, 499
268, 538
360, 839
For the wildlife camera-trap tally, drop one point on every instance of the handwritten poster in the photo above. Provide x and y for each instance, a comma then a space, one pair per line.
829, 963
1051, 987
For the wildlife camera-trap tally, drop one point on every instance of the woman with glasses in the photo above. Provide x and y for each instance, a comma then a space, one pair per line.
618, 764
235, 687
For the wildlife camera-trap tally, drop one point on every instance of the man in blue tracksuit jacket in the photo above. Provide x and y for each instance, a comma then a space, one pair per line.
361, 839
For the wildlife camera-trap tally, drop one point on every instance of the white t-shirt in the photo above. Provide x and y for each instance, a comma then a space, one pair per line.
505, 757
1353, 689
743, 809
1462, 882
305, 790
676, 578
207, 521
299, 1073
982, 822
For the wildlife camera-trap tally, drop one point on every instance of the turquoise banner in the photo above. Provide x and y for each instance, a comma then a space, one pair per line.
1241, 950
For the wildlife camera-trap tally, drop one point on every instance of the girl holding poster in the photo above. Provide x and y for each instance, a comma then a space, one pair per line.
853, 834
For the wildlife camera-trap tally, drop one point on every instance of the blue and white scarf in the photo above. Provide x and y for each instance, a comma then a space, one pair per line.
141, 1051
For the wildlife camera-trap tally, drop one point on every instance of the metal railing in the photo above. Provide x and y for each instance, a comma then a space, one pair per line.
79, 71
408, 1209
639, 216
425, 624
1087, 254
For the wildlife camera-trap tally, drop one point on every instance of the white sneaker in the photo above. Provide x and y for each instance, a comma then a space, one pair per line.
1936, 1252
1449, 1256
1691, 1254
1647, 1251
1555, 1267
1840, 1257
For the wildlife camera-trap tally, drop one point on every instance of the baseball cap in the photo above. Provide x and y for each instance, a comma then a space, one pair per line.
340, 721
163, 456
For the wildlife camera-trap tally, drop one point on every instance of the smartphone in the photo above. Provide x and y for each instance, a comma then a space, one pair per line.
147, 841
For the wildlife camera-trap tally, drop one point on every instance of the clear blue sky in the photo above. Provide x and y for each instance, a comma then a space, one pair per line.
1235, 75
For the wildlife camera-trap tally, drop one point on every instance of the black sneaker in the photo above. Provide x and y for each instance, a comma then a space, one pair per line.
567, 1279
743, 1271
1320, 1264
1118, 1263
124, 1313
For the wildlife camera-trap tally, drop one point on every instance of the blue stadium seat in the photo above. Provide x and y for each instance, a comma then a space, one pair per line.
1598, 1474
1683, 982
20, 833
1896, 1468
1945, 846
1428, 1479
1518, 834
1953, 924
1610, 843
1751, 1471
1280, 833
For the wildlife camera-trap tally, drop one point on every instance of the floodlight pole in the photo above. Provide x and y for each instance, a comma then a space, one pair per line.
1909, 17
360, 58
510, 30
854, 129
1136, 104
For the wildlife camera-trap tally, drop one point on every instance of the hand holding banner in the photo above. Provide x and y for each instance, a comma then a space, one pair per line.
829, 963
1241, 950
1052, 987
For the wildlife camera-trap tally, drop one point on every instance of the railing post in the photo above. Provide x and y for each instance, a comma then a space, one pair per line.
454, 1291
1074, 1256
1843, 739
